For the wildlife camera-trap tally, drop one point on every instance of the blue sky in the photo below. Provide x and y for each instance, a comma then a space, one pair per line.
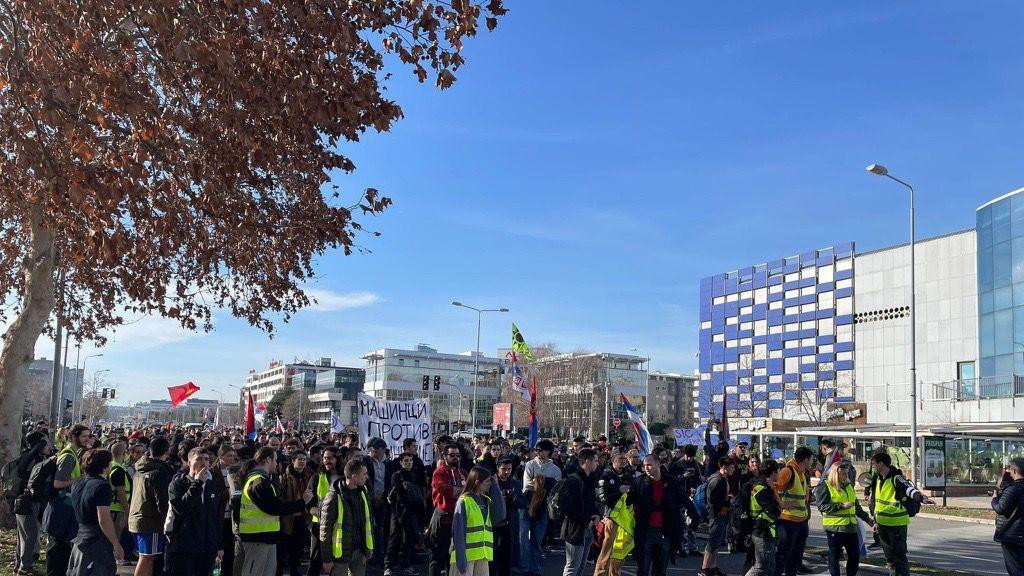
590, 166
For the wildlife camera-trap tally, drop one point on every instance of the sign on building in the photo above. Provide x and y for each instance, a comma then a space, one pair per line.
394, 421
934, 462
502, 416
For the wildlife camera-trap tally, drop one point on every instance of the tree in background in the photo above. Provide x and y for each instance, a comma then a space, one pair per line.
167, 157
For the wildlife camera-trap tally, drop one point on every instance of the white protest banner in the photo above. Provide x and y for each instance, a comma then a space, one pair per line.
394, 422
693, 436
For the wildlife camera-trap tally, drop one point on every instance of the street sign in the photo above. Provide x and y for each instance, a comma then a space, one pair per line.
616, 422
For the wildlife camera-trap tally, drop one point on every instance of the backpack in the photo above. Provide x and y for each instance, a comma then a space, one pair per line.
40, 480
700, 500
12, 482
741, 516
556, 513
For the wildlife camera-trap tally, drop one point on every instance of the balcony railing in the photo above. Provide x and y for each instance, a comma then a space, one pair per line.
1002, 386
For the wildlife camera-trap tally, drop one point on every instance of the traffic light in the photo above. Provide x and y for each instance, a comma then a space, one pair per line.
67, 404
437, 382
112, 393
426, 382
105, 391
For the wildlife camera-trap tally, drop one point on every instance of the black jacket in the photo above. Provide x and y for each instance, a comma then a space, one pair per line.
718, 494
578, 499
407, 497
609, 483
198, 521
769, 503
1009, 505
354, 520
673, 501
388, 471
679, 469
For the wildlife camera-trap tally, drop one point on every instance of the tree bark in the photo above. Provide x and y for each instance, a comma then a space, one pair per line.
37, 303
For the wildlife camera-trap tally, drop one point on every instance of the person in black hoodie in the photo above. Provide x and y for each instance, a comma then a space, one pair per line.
196, 536
506, 533
1009, 505
578, 498
26, 508
408, 508
658, 503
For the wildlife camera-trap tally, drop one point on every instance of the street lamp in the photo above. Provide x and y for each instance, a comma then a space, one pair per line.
76, 412
95, 381
880, 170
476, 358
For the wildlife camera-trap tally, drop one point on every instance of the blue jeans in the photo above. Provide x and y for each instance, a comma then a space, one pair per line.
790, 549
531, 537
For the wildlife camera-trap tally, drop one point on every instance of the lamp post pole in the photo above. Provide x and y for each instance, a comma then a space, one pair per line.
880, 170
76, 409
476, 357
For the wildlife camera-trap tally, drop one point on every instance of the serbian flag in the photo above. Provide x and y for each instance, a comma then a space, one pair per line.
534, 425
518, 381
260, 410
181, 393
280, 427
643, 437
250, 418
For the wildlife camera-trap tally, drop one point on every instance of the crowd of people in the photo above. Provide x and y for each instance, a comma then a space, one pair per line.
207, 502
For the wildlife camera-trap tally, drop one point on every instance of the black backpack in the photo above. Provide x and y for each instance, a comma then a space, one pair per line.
12, 481
742, 517
554, 503
40, 480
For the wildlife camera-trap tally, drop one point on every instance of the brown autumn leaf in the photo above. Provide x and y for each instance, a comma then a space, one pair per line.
151, 142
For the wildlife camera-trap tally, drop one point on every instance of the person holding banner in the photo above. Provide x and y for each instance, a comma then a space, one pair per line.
840, 510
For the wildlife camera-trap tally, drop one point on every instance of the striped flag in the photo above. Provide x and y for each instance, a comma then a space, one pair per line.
534, 424
643, 437
336, 425
518, 381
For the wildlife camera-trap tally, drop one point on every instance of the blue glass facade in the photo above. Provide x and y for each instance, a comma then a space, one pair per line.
776, 335
1000, 229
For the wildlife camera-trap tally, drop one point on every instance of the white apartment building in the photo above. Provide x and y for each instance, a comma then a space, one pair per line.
446, 379
278, 375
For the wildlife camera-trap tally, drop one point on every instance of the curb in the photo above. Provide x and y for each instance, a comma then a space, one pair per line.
956, 518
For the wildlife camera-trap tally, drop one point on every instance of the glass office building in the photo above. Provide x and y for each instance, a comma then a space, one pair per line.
776, 339
1000, 233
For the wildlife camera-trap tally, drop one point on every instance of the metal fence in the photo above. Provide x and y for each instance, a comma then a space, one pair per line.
1004, 386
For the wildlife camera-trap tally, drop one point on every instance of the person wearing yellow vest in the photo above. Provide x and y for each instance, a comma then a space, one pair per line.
259, 514
60, 523
794, 492
839, 507
623, 540
764, 512
888, 493
472, 531
346, 523
121, 485
317, 489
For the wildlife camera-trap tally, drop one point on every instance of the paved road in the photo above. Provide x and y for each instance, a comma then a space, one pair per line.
939, 543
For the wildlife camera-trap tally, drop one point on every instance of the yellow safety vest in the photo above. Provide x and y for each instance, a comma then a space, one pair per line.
795, 495
841, 516
758, 512
888, 510
115, 504
323, 486
252, 520
338, 549
479, 535
76, 473
623, 517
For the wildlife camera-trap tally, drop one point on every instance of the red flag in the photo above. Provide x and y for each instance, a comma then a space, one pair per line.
250, 418
723, 429
181, 393
279, 429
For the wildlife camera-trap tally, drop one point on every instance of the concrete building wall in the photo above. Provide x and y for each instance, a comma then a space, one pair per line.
946, 322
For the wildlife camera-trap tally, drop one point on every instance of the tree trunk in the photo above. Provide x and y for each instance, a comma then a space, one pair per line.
37, 303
